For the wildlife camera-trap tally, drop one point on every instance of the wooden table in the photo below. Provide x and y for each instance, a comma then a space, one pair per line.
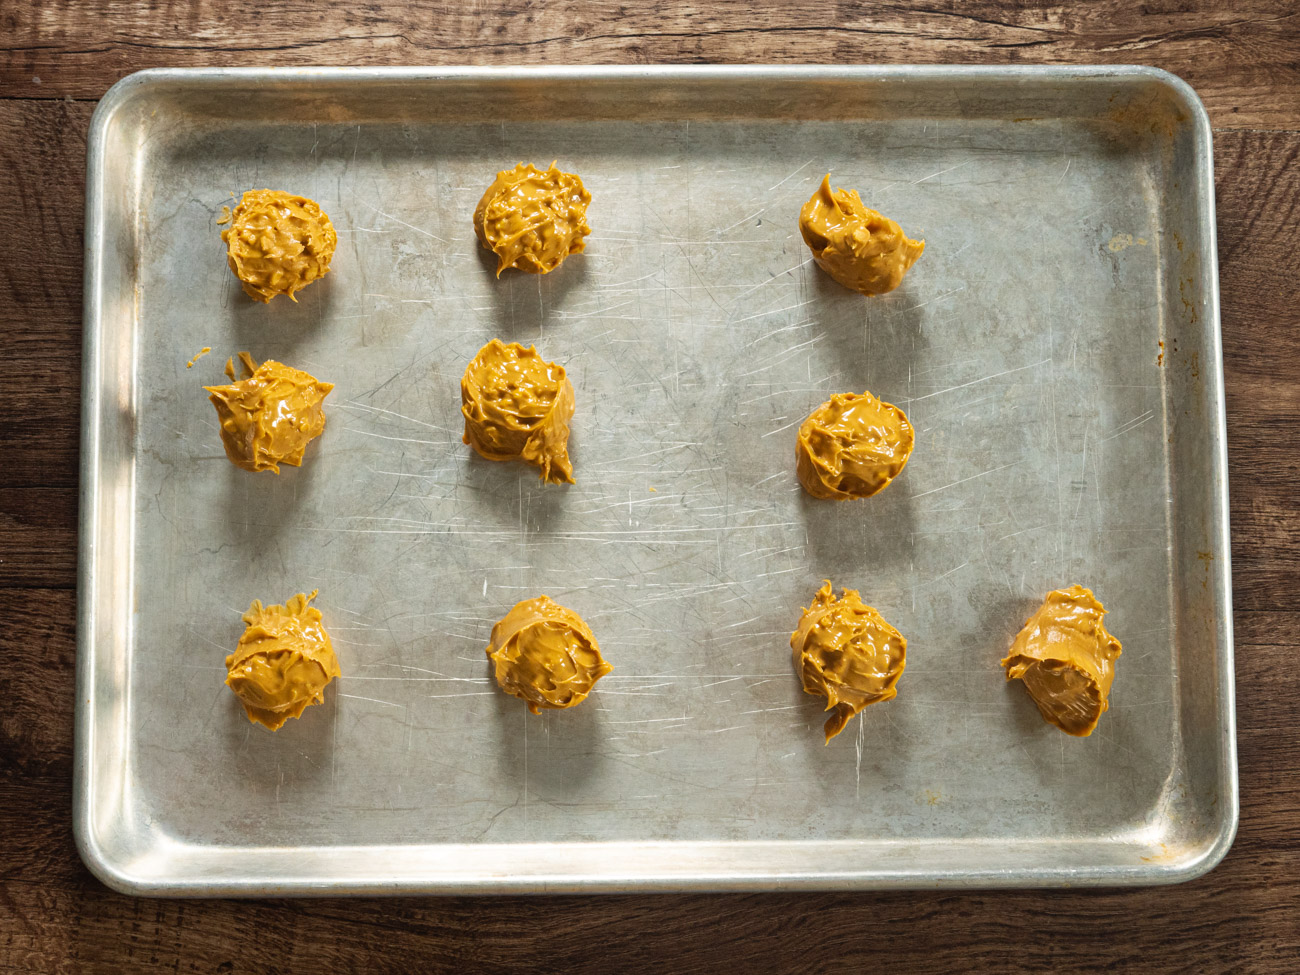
56, 59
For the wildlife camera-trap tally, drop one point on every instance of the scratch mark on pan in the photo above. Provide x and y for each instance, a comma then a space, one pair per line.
793, 422
402, 222
767, 281
733, 226
381, 436
715, 683
939, 173
984, 379
366, 407
791, 176
946, 294
651, 720
1132, 424
373, 700
964, 480
857, 772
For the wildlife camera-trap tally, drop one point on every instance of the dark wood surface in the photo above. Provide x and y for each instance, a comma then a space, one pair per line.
57, 58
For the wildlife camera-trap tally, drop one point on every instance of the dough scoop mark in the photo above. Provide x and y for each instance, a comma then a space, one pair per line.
1066, 659
852, 446
533, 219
278, 243
517, 406
845, 652
858, 247
283, 662
268, 418
545, 655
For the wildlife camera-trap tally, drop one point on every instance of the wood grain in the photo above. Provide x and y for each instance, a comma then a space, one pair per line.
1243, 917
1240, 56
42, 189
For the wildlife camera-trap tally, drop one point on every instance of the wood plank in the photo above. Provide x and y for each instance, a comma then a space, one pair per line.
38, 537
1239, 56
42, 191
1156, 930
36, 685
1258, 190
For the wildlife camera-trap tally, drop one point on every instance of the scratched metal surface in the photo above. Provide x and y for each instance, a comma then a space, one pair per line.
1024, 347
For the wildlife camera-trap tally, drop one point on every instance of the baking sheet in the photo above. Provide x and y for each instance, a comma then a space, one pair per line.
1056, 348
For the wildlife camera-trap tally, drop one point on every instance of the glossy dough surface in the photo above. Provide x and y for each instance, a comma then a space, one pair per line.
845, 652
517, 406
269, 418
852, 446
545, 655
282, 662
533, 219
1066, 659
278, 243
855, 245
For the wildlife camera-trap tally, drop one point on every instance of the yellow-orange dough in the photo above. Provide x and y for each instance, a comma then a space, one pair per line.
282, 662
858, 247
517, 406
278, 243
852, 446
269, 418
545, 655
533, 219
1066, 659
846, 652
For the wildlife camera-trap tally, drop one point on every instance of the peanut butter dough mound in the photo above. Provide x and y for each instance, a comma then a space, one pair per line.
269, 418
852, 446
517, 406
278, 243
1066, 659
533, 219
282, 662
545, 655
858, 247
846, 652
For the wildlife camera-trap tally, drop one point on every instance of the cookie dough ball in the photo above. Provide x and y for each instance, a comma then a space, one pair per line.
278, 243
845, 652
852, 446
269, 418
282, 662
545, 655
858, 247
532, 219
1066, 660
517, 406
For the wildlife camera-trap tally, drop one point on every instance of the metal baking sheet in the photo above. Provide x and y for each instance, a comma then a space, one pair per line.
1057, 349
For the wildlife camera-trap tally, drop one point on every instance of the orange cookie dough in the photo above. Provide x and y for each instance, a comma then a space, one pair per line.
278, 243
269, 418
517, 406
1066, 659
846, 652
852, 446
858, 247
282, 662
545, 655
532, 219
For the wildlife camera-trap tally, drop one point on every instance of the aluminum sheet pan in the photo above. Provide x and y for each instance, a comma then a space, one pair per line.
1057, 349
